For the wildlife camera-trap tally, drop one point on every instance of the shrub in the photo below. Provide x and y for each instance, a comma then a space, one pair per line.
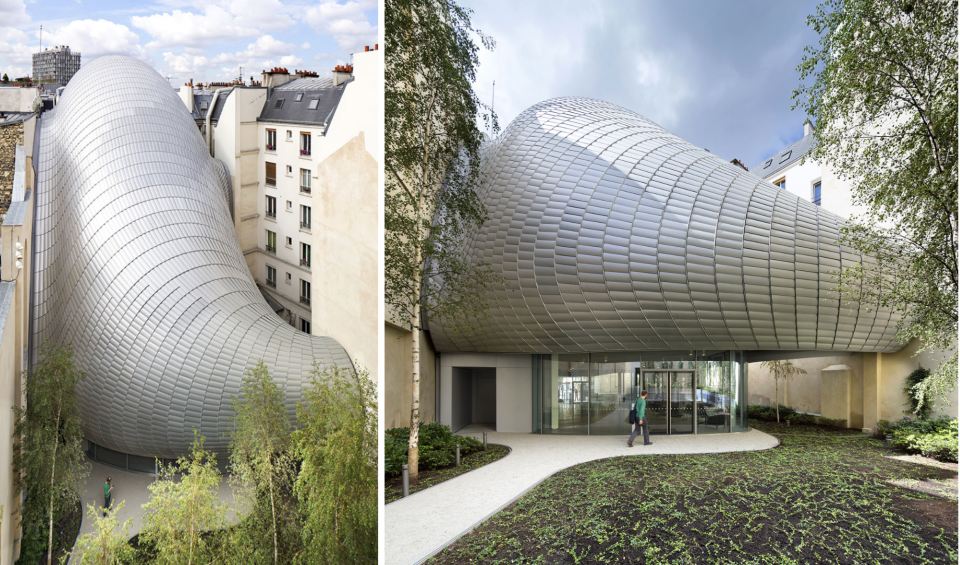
883, 428
931, 438
769, 413
832, 422
799, 419
912, 380
437, 447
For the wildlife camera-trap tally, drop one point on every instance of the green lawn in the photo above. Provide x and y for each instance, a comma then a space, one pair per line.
833, 498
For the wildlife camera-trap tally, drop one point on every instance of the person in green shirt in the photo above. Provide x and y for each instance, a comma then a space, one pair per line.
107, 492
641, 407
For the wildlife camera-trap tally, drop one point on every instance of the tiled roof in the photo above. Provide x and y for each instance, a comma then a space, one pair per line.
303, 84
796, 150
291, 111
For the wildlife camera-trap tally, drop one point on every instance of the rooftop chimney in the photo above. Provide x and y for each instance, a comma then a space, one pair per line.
807, 127
341, 73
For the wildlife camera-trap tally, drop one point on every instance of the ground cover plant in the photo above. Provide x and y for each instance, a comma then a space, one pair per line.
393, 487
437, 447
825, 499
936, 438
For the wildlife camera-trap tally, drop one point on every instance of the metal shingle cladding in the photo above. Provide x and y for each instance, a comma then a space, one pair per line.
137, 265
299, 112
613, 234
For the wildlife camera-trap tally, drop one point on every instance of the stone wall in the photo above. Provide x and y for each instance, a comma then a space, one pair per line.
10, 136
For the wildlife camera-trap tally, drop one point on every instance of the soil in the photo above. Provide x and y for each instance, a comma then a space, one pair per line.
393, 486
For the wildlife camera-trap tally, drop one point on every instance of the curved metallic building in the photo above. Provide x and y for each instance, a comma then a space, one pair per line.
137, 266
614, 234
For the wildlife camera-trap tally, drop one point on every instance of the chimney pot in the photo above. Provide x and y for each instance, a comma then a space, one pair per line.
366, 48
376, 46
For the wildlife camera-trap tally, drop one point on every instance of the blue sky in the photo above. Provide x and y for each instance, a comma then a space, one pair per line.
718, 74
183, 39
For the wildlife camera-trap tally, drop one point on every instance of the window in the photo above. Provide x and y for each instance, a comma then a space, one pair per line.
305, 292
271, 174
289, 242
271, 242
785, 156
289, 206
304, 143
816, 193
313, 104
782, 183
305, 181
271, 207
305, 217
304, 255
279, 104
304, 326
768, 163
271, 140
289, 278
271, 276
203, 106
289, 135
299, 97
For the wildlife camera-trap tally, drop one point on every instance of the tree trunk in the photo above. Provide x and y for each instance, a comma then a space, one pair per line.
273, 511
413, 448
53, 471
776, 384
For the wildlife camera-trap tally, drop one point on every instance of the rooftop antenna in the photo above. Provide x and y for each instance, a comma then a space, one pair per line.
241, 74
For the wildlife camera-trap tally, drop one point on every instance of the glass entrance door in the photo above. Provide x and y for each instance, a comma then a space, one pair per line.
670, 401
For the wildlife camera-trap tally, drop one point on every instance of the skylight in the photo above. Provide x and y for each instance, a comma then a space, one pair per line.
279, 103
767, 164
785, 156
299, 97
313, 104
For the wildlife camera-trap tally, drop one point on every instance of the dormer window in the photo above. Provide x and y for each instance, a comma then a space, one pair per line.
299, 97
314, 104
279, 104
203, 105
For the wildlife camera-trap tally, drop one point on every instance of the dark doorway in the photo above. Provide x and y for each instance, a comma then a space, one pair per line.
474, 397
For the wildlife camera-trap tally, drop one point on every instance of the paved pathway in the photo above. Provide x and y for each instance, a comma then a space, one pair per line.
424, 522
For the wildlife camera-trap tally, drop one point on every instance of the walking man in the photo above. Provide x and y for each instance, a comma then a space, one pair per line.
107, 491
641, 407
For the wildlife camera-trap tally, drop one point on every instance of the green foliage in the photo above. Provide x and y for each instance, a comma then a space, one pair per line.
914, 405
432, 163
48, 459
107, 545
337, 484
184, 518
769, 413
884, 97
832, 422
5, 78
261, 462
932, 438
799, 419
438, 447
781, 371
882, 429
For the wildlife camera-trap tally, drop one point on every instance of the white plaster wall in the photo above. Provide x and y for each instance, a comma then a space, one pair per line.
17, 99
514, 387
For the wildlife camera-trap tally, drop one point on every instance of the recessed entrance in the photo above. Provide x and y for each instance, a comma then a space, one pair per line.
474, 397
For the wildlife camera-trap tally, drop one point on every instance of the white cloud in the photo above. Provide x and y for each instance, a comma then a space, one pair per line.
323, 57
345, 22
305, 46
228, 20
267, 46
93, 38
648, 71
290, 60
13, 12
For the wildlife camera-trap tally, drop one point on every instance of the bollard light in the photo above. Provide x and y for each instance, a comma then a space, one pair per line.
405, 473
484, 441
458, 455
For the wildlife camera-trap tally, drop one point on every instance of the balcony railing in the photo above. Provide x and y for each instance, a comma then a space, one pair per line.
271, 147
305, 300
304, 225
272, 215
271, 249
304, 152
304, 262
304, 189
271, 182
272, 283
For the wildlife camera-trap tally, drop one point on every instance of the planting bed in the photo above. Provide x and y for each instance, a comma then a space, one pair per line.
832, 498
394, 485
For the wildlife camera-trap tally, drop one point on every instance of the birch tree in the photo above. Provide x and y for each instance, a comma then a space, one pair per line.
432, 158
184, 516
781, 371
882, 87
48, 457
107, 545
260, 458
338, 481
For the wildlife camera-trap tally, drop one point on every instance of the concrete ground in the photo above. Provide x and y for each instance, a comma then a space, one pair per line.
131, 488
425, 522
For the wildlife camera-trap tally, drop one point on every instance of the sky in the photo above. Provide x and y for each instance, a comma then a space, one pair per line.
184, 39
718, 74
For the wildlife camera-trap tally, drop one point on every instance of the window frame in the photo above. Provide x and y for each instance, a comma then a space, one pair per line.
305, 286
271, 236
304, 254
271, 281
266, 174
305, 174
816, 193
306, 216
306, 143
271, 211
271, 146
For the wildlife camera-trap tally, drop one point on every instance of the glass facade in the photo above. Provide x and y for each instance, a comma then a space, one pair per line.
687, 392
